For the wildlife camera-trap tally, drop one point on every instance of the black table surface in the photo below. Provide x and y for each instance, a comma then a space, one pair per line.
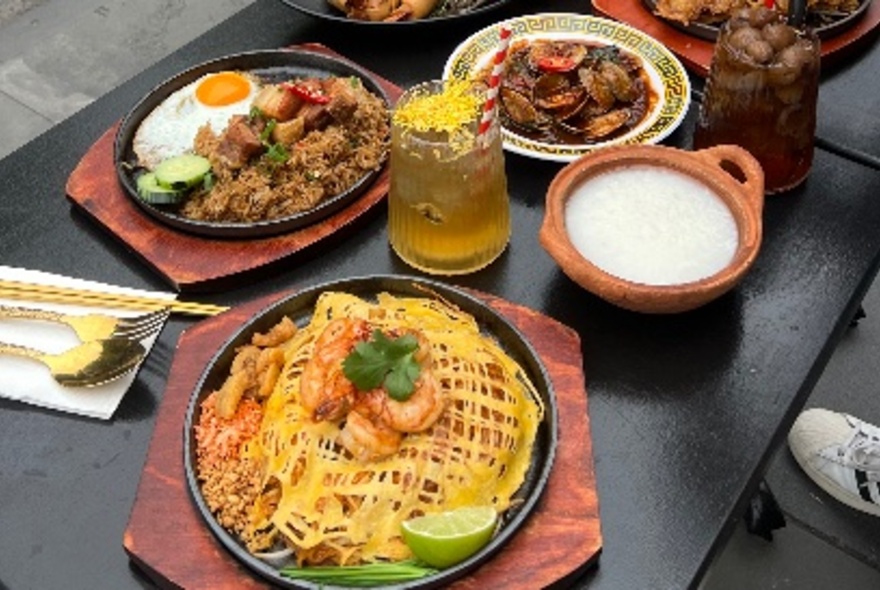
686, 410
849, 118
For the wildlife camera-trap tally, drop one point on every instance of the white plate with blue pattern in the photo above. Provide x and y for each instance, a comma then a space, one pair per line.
667, 76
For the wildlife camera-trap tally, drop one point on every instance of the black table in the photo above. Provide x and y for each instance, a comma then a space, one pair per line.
685, 410
849, 119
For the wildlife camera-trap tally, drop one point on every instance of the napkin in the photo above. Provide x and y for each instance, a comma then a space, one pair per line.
29, 381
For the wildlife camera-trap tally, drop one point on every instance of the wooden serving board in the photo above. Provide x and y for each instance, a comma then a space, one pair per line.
196, 263
167, 538
696, 53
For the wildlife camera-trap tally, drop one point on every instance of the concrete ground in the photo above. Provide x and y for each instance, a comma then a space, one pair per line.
56, 57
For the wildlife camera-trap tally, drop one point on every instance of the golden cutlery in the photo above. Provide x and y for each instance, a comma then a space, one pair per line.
52, 294
91, 363
95, 326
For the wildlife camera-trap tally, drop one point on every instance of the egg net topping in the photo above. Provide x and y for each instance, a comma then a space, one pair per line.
331, 508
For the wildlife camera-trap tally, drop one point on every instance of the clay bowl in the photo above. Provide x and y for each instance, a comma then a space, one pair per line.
729, 172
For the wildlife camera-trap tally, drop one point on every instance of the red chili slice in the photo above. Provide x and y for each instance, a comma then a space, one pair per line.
556, 64
305, 93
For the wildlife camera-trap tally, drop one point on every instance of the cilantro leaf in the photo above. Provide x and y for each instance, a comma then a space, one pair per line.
400, 381
398, 347
384, 361
366, 366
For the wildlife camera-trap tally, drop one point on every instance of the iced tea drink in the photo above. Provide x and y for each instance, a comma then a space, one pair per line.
761, 95
448, 208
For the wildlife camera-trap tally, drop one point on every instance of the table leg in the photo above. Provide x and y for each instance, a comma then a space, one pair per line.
860, 313
763, 515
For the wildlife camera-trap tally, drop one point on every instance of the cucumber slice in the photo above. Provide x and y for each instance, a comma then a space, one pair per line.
150, 191
182, 172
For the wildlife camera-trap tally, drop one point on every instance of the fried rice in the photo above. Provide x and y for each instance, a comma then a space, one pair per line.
323, 164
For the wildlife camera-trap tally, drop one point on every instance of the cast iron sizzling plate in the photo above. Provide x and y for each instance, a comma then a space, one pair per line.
299, 307
709, 31
271, 66
323, 9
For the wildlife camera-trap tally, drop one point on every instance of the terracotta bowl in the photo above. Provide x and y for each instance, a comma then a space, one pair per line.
728, 171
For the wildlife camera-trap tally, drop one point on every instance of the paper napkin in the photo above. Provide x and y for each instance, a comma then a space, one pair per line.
28, 380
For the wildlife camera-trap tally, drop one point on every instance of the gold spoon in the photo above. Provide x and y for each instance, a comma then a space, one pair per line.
92, 363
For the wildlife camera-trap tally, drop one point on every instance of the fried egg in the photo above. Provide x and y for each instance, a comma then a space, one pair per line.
169, 130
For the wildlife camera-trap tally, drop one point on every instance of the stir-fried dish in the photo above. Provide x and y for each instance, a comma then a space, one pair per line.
215, 153
402, 10
324, 439
572, 92
713, 11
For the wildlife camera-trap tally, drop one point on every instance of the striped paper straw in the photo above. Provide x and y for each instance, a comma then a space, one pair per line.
489, 107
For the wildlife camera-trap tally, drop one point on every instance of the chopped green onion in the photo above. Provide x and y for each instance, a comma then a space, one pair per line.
270, 126
278, 153
361, 576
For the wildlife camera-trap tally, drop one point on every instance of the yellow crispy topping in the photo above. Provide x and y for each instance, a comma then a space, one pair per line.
449, 111
333, 508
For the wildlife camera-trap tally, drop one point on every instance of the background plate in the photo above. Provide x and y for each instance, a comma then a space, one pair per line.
275, 65
299, 307
667, 75
709, 31
696, 53
322, 9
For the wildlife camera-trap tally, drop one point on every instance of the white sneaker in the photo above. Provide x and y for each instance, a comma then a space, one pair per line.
841, 454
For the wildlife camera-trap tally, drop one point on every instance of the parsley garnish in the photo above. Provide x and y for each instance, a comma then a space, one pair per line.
386, 362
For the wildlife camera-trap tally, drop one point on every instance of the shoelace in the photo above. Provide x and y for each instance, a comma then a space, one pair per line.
862, 448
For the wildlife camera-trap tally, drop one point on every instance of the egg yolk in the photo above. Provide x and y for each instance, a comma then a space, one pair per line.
223, 89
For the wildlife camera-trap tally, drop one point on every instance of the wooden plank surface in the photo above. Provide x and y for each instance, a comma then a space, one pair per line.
196, 263
168, 539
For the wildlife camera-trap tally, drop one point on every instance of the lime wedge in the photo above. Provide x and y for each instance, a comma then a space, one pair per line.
446, 538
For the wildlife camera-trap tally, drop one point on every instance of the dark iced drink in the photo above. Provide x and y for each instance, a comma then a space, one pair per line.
761, 95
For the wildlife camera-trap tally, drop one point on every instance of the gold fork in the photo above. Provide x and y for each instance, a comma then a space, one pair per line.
95, 326
91, 363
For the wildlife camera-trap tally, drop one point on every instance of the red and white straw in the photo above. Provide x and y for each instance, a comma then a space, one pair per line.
490, 105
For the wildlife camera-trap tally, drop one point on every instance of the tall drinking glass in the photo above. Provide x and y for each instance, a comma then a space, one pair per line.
448, 209
761, 95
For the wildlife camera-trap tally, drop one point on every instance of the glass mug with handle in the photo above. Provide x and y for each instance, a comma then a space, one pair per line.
448, 207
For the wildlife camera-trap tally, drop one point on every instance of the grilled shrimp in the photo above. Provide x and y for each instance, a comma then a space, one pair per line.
325, 391
416, 414
368, 438
421, 409
376, 423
